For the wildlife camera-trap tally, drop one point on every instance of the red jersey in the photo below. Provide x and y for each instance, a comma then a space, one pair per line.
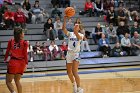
88, 6
17, 50
9, 15
20, 17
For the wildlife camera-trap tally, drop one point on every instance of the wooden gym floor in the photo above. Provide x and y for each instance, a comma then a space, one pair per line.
103, 80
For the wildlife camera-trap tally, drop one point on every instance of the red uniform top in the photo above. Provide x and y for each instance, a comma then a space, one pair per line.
17, 50
88, 6
20, 17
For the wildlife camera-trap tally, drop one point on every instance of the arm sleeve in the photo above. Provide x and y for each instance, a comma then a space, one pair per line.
7, 51
25, 52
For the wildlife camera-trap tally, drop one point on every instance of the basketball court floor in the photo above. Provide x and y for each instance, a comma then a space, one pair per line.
95, 80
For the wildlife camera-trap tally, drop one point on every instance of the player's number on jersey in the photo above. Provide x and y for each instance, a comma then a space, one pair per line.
74, 44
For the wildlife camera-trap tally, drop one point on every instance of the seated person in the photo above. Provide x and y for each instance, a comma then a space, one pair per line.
20, 19
89, 7
135, 44
111, 16
49, 30
26, 13
122, 29
9, 19
37, 48
63, 49
27, 4
126, 44
121, 15
46, 51
37, 12
70, 25
117, 51
30, 52
137, 19
104, 46
98, 7
58, 29
56, 13
134, 28
54, 49
107, 5
97, 33
112, 34
84, 43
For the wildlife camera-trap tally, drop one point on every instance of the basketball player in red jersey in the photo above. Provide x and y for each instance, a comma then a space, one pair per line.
17, 49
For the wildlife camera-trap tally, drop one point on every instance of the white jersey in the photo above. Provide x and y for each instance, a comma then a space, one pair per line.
73, 43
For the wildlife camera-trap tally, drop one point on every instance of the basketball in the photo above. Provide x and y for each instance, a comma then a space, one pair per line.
69, 11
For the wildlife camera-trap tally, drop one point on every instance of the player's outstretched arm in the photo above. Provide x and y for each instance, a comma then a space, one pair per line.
64, 26
76, 32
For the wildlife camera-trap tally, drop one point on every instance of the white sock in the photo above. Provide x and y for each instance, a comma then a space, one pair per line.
14, 92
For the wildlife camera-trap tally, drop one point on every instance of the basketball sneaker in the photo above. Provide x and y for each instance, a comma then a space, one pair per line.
74, 87
80, 90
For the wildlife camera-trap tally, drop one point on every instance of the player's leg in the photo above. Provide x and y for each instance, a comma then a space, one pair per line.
69, 72
9, 78
77, 78
75, 72
17, 81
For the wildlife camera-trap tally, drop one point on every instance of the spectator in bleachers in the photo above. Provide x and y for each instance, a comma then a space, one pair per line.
58, 29
70, 25
27, 4
122, 30
111, 16
63, 49
135, 44
104, 46
107, 5
2, 10
46, 51
37, 48
30, 52
137, 19
84, 43
117, 51
112, 34
134, 28
89, 7
56, 13
9, 18
99, 7
126, 44
49, 29
26, 14
54, 49
56, 3
97, 33
20, 19
37, 13
121, 15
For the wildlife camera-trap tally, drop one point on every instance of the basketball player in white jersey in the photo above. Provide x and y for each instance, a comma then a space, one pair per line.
72, 58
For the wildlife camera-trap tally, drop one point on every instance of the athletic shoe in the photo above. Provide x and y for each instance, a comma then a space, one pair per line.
14, 92
74, 87
80, 90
